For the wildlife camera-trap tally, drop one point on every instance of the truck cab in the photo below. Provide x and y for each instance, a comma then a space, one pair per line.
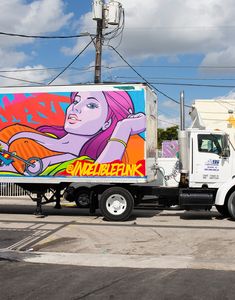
207, 171
209, 158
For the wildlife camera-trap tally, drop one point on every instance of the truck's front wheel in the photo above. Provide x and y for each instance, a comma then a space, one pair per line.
116, 204
231, 205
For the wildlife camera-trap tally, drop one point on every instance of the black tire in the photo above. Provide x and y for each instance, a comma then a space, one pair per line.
223, 210
231, 205
69, 194
116, 204
82, 198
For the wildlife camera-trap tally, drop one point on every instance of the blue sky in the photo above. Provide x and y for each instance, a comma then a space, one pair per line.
171, 43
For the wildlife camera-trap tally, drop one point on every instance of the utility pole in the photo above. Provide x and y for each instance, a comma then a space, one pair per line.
103, 14
98, 50
98, 16
182, 112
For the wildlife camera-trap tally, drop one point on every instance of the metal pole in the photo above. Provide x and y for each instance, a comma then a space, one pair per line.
182, 113
98, 47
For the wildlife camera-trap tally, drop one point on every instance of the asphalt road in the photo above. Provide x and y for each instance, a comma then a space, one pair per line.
155, 255
23, 281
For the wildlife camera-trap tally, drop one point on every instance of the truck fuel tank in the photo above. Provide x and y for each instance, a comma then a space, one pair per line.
196, 198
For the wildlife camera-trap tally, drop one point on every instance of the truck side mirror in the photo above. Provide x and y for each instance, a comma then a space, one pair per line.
225, 152
225, 146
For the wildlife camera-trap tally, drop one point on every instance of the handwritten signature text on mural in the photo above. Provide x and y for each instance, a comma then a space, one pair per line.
113, 169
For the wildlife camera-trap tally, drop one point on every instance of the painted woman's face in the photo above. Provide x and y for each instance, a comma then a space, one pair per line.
87, 114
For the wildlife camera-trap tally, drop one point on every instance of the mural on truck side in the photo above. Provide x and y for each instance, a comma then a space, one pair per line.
98, 133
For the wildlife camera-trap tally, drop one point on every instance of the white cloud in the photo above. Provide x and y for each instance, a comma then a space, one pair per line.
39, 74
153, 29
31, 74
220, 58
87, 23
170, 104
84, 25
28, 75
11, 58
229, 96
37, 17
166, 121
156, 28
80, 45
44, 16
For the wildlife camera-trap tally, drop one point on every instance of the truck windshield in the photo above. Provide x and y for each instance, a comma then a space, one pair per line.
211, 143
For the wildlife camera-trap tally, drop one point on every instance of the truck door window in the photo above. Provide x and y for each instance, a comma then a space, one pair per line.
211, 143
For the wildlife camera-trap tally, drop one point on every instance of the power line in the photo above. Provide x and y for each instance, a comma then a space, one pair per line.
165, 113
162, 28
144, 78
76, 57
118, 31
194, 84
35, 36
23, 80
28, 81
175, 67
179, 78
45, 36
202, 27
187, 84
48, 68
122, 66
30, 70
168, 122
35, 82
44, 69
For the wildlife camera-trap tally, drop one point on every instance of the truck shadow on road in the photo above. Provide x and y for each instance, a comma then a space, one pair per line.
196, 215
138, 213
48, 211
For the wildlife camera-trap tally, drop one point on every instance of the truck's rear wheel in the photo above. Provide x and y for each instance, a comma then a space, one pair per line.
82, 198
231, 205
116, 204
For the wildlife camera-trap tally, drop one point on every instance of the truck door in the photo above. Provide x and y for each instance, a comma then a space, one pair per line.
208, 165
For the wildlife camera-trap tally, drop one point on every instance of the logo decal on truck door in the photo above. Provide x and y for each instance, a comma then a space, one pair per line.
212, 165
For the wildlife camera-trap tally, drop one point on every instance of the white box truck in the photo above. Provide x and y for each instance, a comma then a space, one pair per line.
100, 142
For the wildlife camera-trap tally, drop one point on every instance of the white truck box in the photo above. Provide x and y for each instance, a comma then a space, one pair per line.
81, 133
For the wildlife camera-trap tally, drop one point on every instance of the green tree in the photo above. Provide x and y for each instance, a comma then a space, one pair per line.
168, 134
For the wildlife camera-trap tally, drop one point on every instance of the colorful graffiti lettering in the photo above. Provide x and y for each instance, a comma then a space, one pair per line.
170, 148
83, 168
